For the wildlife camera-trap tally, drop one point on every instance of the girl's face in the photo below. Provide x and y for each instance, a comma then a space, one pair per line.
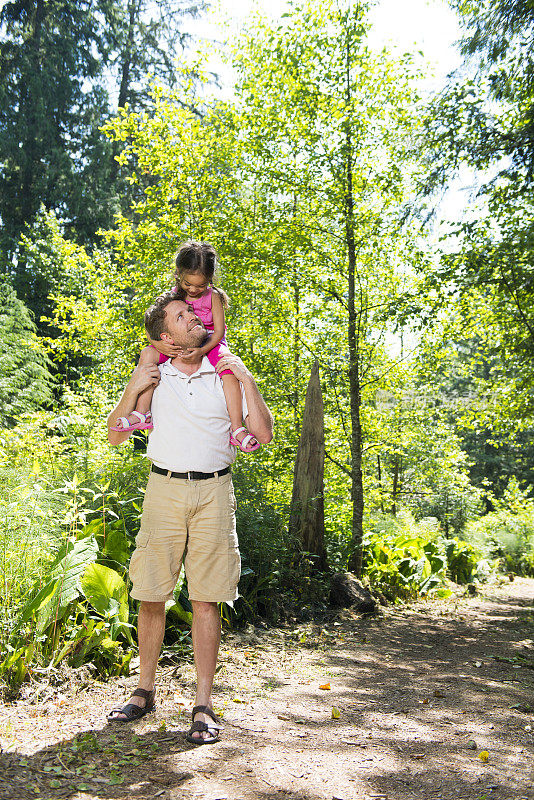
194, 284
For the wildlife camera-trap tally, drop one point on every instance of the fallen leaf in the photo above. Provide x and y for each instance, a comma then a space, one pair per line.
483, 755
335, 713
285, 717
425, 701
438, 693
239, 700
478, 663
325, 686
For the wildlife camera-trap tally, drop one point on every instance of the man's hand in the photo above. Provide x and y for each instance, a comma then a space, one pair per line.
235, 365
143, 376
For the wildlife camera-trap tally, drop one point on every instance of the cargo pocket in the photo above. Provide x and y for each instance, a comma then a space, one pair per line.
138, 561
141, 540
234, 571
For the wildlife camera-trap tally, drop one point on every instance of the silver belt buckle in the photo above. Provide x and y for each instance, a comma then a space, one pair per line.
189, 478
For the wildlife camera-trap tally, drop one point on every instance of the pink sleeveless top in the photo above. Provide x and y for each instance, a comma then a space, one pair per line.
202, 308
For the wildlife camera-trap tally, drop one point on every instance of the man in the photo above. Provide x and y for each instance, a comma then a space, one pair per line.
189, 505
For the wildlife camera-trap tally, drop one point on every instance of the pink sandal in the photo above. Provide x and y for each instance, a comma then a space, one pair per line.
244, 445
144, 424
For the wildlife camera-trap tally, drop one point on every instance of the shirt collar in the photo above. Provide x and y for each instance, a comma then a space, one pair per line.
168, 368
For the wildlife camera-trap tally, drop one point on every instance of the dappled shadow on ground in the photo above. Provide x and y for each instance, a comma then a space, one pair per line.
419, 693
113, 762
421, 697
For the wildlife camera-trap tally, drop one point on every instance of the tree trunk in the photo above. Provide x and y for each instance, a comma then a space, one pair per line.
397, 466
29, 113
306, 519
124, 87
355, 558
380, 487
296, 355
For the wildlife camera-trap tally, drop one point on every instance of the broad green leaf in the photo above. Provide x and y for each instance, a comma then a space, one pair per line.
103, 587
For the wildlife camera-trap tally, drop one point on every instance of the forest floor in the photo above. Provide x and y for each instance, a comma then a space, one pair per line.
423, 691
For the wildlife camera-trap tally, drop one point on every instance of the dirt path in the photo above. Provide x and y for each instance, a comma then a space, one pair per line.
419, 691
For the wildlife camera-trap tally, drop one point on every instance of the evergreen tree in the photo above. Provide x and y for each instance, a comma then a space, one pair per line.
25, 381
51, 56
58, 62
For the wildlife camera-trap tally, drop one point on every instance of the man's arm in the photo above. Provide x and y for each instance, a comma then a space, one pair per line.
259, 420
143, 376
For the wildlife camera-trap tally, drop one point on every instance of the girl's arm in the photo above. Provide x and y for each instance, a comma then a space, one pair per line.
217, 309
166, 348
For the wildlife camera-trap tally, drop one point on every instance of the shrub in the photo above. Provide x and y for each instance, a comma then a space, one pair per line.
462, 560
508, 532
403, 558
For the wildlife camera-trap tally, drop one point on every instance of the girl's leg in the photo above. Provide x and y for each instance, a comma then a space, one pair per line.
149, 355
234, 403
232, 394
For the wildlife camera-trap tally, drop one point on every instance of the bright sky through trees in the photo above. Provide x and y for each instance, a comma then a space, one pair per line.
430, 26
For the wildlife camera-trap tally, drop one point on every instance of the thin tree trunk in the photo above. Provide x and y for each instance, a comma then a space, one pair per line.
133, 10
296, 356
355, 558
29, 112
397, 466
296, 334
380, 487
307, 503
124, 87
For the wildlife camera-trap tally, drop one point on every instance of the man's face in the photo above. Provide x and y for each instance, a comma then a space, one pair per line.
183, 326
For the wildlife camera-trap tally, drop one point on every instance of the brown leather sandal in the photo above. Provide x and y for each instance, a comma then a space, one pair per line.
200, 727
131, 711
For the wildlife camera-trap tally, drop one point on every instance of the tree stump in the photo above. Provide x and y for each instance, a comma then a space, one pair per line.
306, 519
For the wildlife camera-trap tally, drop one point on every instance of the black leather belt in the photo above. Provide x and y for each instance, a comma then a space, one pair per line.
190, 476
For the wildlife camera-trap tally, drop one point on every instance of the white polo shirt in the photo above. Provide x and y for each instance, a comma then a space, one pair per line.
191, 421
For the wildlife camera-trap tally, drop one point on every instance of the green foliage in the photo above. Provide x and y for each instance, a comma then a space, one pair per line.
25, 380
507, 536
462, 560
484, 121
404, 558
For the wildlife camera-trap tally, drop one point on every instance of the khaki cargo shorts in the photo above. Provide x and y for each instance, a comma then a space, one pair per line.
190, 520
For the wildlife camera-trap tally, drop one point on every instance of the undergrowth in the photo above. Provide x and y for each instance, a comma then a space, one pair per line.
70, 510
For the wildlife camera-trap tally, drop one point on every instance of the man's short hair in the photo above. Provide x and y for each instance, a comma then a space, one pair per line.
155, 316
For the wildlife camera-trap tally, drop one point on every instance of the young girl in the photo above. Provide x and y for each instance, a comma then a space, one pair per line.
195, 270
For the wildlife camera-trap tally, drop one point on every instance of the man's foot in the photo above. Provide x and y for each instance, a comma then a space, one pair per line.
244, 440
140, 703
205, 727
134, 422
